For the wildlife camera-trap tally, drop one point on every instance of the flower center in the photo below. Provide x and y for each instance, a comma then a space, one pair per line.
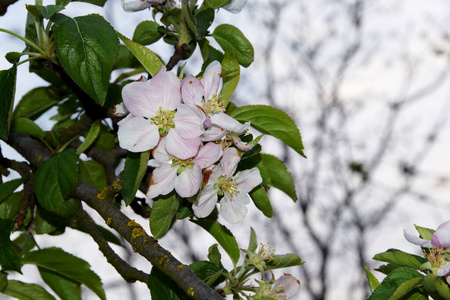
182, 164
437, 256
227, 185
164, 120
213, 105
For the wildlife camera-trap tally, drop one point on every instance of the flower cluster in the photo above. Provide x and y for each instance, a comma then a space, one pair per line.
438, 254
185, 125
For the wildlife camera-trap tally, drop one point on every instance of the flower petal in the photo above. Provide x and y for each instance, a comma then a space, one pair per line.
241, 145
233, 211
162, 181
140, 99
248, 179
213, 133
192, 90
206, 202
235, 6
137, 134
120, 110
207, 155
189, 121
223, 120
188, 182
444, 270
287, 285
136, 5
441, 236
168, 86
180, 147
211, 79
417, 240
160, 154
229, 161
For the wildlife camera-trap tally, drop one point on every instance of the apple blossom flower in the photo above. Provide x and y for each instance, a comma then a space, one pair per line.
285, 287
183, 175
439, 250
234, 189
137, 5
235, 6
204, 93
156, 112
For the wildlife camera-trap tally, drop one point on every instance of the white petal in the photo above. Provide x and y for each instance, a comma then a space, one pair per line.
140, 99
162, 181
188, 182
180, 147
223, 120
137, 134
160, 153
248, 179
232, 211
229, 161
168, 85
444, 270
189, 121
235, 6
213, 133
137, 5
206, 202
241, 145
416, 240
120, 110
441, 237
288, 285
192, 90
211, 79
207, 155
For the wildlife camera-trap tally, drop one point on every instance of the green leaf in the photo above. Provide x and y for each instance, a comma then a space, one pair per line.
214, 256
9, 258
425, 233
26, 291
215, 4
204, 21
222, 235
284, 261
3, 281
87, 48
204, 269
49, 223
230, 75
209, 54
404, 289
7, 188
105, 140
93, 173
55, 180
162, 214
13, 57
90, 138
436, 286
25, 241
28, 127
271, 121
373, 281
253, 243
280, 177
94, 2
149, 60
8, 84
134, 171
47, 12
262, 201
64, 287
231, 39
10, 207
392, 282
401, 258
147, 33
161, 286
65, 264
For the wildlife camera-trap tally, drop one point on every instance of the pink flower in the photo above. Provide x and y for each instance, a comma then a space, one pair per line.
183, 175
204, 93
286, 287
440, 238
156, 111
234, 189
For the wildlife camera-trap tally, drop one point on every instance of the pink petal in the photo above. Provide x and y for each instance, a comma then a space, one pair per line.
188, 121
233, 211
289, 285
247, 180
211, 79
137, 134
229, 161
136, 5
168, 86
417, 240
192, 90
162, 181
140, 99
120, 110
441, 237
223, 120
206, 202
160, 154
213, 133
240, 145
207, 155
180, 147
188, 182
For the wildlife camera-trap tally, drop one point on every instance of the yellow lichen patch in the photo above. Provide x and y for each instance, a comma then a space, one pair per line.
102, 194
133, 223
165, 257
191, 291
137, 232
116, 185
180, 267
108, 221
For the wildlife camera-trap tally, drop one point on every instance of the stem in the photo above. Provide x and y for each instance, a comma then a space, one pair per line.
36, 47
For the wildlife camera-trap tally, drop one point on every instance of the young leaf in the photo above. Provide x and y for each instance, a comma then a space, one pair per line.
55, 180
425, 233
373, 281
203, 269
215, 4
65, 264
436, 286
214, 256
204, 21
93, 173
161, 286
8, 88
271, 121
262, 201
401, 258
28, 127
162, 215
47, 12
149, 60
230, 75
134, 171
64, 287
231, 39
9, 259
279, 175
284, 261
253, 243
87, 48
222, 235
26, 291
90, 138
406, 288
147, 33
391, 283
7, 188
94, 2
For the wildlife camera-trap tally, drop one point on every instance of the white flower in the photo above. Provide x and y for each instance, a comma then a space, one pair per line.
137, 5
235, 6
